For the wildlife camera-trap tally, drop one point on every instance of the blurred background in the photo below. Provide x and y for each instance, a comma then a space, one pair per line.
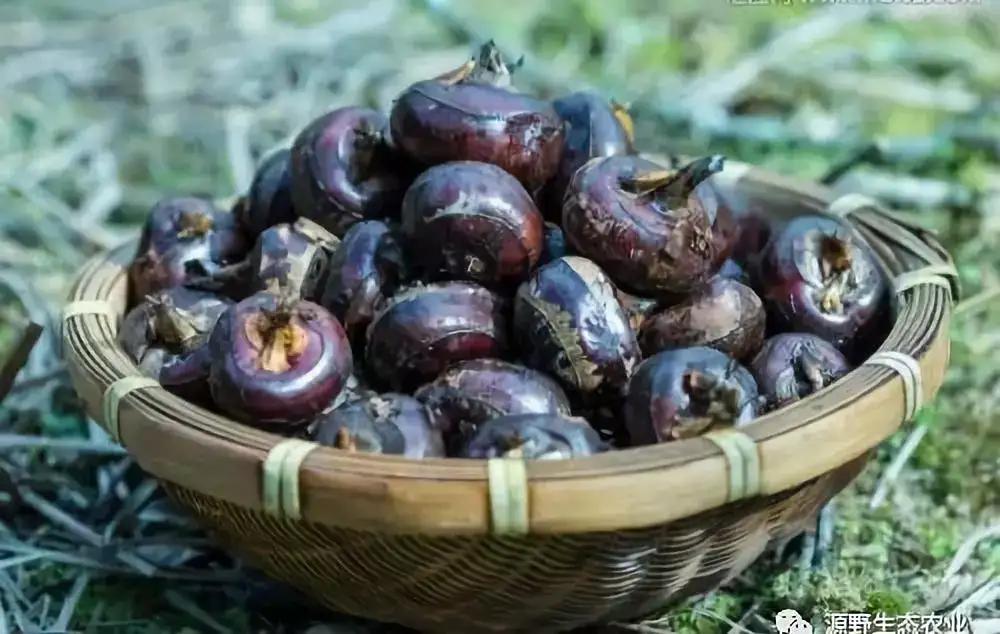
107, 106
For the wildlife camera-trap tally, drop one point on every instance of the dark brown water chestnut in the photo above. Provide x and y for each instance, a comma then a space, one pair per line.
292, 259
472, 221
383, 424
555, 244
742, 213
362, 274
179, 231
269, 199
344, 170
277, 361
471, 114
424, 329
166, 336
534, 437
686, 392
631, 217
725, 224
725, 315
594, 126
569, 323
817, 276
472, 392
792, 366
637, 309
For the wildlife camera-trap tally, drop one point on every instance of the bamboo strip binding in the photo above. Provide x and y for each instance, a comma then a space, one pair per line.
908, 370
115, 394
281, 495
742, 462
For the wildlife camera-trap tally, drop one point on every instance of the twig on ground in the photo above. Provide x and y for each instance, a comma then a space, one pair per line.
968, 548
72, 599
18, 358
895, 467
83, 532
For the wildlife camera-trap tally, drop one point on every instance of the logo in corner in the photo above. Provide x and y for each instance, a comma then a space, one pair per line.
791, 622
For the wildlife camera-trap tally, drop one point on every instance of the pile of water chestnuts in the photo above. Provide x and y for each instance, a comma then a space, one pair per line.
483, 273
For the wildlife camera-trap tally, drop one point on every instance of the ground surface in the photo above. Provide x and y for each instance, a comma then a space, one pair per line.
103, 110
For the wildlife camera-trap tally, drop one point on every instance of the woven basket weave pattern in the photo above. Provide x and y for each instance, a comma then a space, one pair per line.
534, 584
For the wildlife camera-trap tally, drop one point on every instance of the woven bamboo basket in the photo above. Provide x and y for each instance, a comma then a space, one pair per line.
507, 546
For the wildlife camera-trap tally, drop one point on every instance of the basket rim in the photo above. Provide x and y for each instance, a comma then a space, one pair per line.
196, 449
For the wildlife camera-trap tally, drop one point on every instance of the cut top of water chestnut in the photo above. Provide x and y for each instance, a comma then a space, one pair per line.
278, 334
832, 263
818, 276
687, 392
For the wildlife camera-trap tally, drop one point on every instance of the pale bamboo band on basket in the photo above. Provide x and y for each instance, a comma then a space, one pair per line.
935, 274
111, 402
908, 370
742, 461
280, 486
508, 490
87, 307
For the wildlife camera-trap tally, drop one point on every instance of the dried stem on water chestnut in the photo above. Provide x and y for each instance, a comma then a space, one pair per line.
725, 315
794, 365
166, 335
470, 114
472, 221
180, 231
534, 437
277, 361
569, 323
684, 393
382, 424
424, 329
817, 276
344, 170
641, 224
473, 392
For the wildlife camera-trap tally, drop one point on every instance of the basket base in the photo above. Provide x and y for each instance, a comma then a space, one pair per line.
540, 584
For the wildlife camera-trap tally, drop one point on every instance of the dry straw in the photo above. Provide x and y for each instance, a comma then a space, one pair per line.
463, 545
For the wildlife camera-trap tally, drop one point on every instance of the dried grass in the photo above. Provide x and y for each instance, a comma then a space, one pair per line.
106, 107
